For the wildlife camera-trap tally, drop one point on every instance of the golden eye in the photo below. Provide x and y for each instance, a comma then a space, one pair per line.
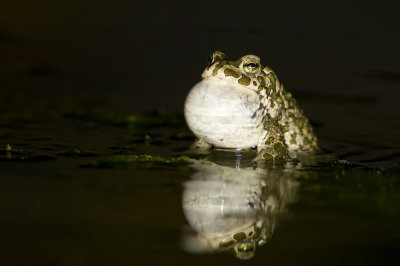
251, 66
246, 248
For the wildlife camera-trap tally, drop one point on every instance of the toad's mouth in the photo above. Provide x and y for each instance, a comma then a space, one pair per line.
221, 81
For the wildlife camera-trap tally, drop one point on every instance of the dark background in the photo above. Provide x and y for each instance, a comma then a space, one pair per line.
340, 59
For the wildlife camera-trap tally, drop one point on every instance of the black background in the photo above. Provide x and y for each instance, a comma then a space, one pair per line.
141, 55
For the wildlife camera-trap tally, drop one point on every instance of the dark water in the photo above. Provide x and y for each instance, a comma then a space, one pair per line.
80, 82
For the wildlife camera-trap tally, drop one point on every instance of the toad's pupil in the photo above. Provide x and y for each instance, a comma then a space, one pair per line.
209, 59
252, 65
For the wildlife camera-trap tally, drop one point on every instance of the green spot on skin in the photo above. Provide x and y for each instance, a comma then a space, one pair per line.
261, 79
299, 122
268, 156
266, 125
279, 117
265, 191
306, 142
267, 91
239, 236
229, 72
272, 79
260, 88
279, 100
257, 232
234, 63
273, 98
254, 83
285, 128
226, 244
292, 103
244, 80
280, 149
217, 67
270, 140
293, 138
267, 235
314, 144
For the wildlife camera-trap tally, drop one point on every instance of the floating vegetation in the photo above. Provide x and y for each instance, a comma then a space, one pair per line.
13, 155
343, 174
143, 161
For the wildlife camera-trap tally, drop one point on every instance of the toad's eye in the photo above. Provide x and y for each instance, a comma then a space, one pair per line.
210, 59
246, 247
245, 250
251, 66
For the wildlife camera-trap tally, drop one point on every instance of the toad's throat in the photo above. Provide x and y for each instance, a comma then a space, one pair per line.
225, 114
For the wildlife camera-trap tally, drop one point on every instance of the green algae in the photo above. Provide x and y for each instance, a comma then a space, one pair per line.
8, 148
9, 154
337, 178
142, 161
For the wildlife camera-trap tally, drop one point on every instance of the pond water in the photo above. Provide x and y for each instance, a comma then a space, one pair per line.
87, 93
74, 193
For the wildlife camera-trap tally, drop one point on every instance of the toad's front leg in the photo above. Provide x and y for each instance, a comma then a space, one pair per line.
201, 146
271, 145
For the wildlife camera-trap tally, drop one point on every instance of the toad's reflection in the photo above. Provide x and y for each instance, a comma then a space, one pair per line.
233, 209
